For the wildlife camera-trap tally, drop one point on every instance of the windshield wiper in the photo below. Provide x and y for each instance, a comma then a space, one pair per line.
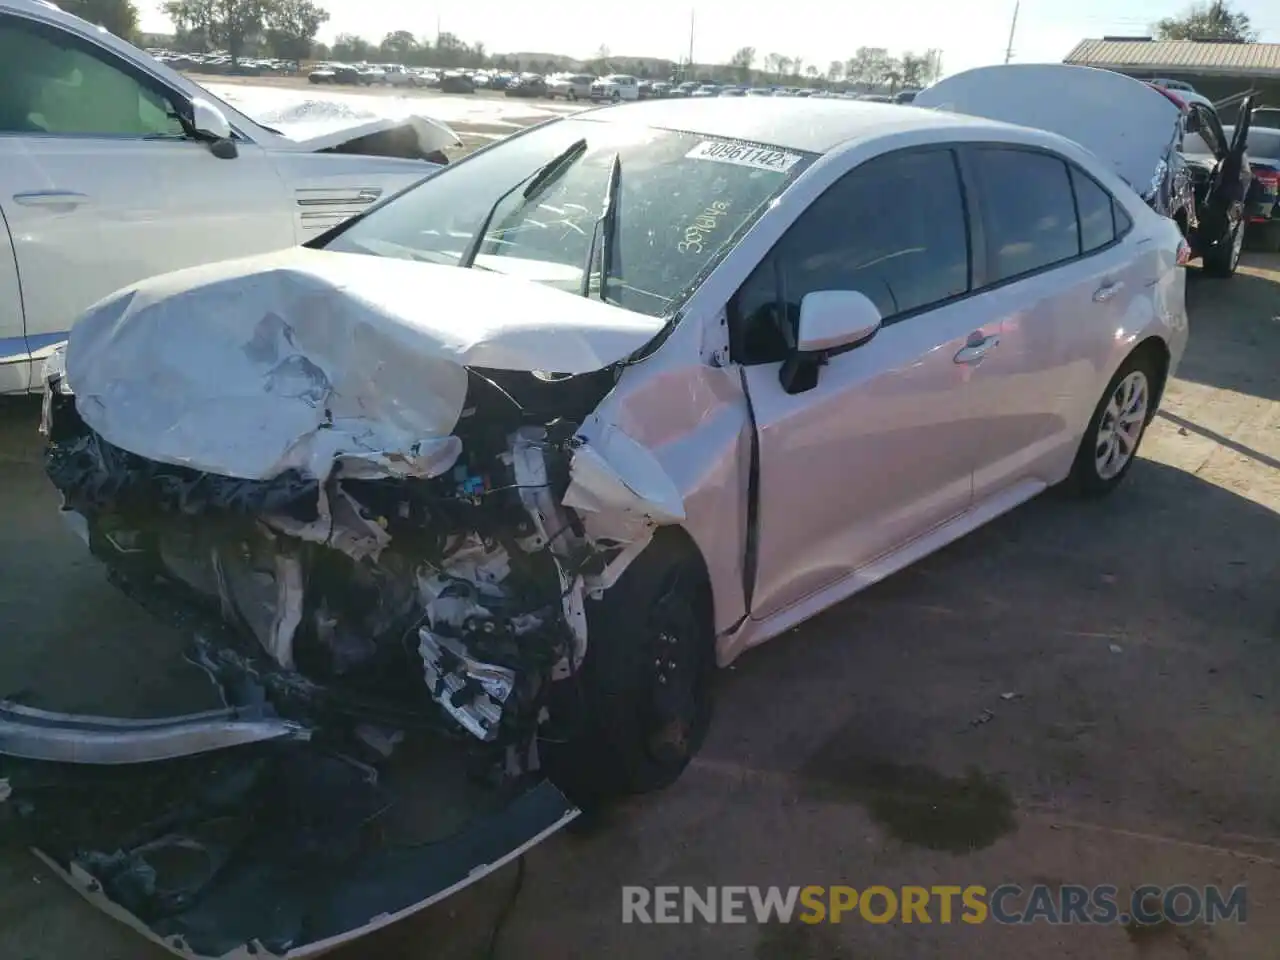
532, 184
605, 229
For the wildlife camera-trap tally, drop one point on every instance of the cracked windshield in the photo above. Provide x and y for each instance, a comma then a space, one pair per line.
680, 198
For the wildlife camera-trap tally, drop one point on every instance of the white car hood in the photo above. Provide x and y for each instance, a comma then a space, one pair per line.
312, 360
316, 133
1123, 121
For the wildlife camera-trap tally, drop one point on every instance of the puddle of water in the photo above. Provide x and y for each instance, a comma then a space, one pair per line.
915, 804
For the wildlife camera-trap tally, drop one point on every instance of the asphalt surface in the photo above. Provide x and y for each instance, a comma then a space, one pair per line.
1077, 693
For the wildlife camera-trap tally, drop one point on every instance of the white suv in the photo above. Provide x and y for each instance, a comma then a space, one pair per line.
616, 86
571, 86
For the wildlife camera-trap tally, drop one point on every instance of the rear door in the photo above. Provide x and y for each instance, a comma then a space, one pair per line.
1060, 284
100, 183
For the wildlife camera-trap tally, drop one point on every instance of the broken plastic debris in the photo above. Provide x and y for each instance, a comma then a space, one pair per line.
1116, 648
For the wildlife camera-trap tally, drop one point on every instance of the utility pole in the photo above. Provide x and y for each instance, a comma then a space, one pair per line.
1008, 51
689, 65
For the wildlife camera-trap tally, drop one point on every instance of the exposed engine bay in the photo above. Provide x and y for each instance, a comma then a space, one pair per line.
468, 586
388, 651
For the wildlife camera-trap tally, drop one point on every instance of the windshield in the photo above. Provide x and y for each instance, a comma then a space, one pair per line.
682, 199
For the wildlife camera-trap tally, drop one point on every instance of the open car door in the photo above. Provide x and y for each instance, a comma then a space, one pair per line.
235, 833
1221, 199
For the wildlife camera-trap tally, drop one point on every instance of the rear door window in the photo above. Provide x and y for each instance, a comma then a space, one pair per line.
1029, 213
1093, 204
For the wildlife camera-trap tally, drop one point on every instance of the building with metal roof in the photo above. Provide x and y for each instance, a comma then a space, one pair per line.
1219, 69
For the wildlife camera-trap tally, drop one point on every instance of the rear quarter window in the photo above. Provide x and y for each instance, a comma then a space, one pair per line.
1029, 212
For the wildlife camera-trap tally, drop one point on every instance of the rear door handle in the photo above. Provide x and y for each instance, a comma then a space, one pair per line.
56, 199
976, 347
1107, 291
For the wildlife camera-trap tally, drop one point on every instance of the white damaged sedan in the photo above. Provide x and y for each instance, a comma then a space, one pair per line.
462, 503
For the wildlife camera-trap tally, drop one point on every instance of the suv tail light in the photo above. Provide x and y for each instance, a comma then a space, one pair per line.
1184, 253
1268, 177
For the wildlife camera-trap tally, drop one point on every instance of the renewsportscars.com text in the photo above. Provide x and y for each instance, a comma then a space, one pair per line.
974, 904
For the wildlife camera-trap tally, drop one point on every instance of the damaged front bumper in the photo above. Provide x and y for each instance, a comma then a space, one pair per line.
235, 833
385, 648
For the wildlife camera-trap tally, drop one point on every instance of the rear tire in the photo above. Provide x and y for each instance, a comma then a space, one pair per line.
1223, 259
640, 706
1115, 431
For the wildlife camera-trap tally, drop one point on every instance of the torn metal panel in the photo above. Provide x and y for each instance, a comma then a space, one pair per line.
305, 359
33, 734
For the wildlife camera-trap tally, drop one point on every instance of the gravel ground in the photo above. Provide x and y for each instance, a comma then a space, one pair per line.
1074, 694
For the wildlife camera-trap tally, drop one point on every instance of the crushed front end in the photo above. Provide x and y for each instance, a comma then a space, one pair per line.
387, 647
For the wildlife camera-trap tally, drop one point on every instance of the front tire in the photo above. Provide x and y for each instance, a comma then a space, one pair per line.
640, 706
1116, 429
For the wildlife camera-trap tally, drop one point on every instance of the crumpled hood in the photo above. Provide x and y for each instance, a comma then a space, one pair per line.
314, 133
308, 359
1123, 121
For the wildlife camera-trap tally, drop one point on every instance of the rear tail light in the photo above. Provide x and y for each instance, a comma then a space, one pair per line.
1268, 178
1184, 253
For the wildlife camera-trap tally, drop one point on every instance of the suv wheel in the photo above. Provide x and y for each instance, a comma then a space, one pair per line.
1223, 259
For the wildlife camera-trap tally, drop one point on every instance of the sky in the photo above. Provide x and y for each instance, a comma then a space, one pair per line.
970, 34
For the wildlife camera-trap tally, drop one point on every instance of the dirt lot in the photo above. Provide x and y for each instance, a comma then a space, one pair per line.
877, 744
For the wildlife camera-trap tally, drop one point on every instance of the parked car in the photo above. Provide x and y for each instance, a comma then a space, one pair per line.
323, 73
732, 92
616, 87
660, 88
528, 85
905, 96
706, 90
455, 81
1140, 131
114, 167
395, 75
885, 331
570, 86
1262, 208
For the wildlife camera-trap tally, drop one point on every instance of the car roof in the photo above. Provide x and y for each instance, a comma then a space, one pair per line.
815, 126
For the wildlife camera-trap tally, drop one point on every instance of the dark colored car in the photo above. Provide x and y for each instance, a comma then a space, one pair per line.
530, 86
1262, 203
454, 82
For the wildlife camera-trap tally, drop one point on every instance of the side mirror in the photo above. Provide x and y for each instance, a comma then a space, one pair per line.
830, 321
211, 124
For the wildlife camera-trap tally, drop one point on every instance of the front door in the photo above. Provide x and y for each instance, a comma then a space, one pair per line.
880, 449
14, 369
101, 184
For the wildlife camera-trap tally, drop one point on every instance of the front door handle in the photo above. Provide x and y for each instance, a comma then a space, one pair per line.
56, 199
977, 347
1107, 291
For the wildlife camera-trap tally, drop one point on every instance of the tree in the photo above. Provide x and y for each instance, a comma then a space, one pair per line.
118, 16
743, 61
835, 70
227, 24
773, 64
291, 27
349, 48
399, 46
867, 66
913, 67
1207, 21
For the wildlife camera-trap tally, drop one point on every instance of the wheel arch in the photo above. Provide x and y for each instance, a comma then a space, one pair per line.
1155, 347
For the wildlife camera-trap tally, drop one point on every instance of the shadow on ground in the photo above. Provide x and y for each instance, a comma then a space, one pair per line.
1236, 345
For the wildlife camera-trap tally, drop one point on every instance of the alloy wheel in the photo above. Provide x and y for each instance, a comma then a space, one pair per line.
1121, 425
